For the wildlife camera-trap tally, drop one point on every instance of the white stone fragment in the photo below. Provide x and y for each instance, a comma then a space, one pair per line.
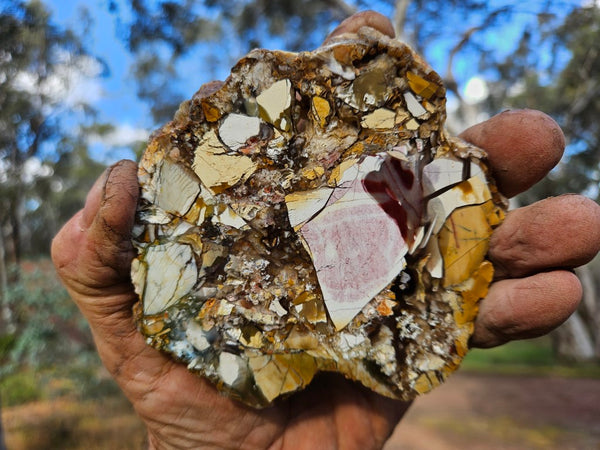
225, 308
196, 336
418, 238
275, 101
231, 368
172, 273
430, 363
353, 264
177, 188
276, 307
302, 206
180, 229
155, 216
413, 105
343, 71
348, 341
441, 173
435, 264
384, 352
236, 129
138, 276
181, 349
230, 218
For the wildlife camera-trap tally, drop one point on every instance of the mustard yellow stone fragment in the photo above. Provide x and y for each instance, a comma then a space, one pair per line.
338, 172
277, 374
421, 86
475, 289
464, 242
211, 113
313, 173
321, 110
425, 383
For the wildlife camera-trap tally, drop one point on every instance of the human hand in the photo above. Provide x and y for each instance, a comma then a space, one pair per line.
533, 251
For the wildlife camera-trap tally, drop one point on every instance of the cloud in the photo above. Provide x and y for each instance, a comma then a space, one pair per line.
73, 82
121, 136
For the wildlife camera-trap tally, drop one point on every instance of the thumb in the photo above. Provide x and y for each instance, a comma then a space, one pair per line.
92, 253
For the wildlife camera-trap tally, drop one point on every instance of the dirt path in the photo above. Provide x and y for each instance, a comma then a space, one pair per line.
503, 412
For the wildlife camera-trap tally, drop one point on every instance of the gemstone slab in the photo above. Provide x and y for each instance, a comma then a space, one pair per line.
311, 214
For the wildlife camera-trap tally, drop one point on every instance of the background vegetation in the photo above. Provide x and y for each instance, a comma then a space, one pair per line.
538, 54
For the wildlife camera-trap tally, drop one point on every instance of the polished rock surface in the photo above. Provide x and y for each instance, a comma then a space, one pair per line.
311, 214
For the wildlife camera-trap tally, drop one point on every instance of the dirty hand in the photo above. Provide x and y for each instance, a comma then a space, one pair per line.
533, 250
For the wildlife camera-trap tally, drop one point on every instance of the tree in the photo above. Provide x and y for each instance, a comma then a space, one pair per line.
37, 60
45, 168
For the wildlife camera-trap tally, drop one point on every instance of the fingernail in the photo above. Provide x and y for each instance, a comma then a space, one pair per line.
93, 200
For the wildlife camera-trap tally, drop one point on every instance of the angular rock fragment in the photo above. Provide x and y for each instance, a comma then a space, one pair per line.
312, 215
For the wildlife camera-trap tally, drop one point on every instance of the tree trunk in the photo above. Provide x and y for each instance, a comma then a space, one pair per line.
399, 20
5, 312
572, 341
2, 444
590, 305
578, 339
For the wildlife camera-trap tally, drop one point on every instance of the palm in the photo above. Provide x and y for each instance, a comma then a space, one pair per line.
332, 412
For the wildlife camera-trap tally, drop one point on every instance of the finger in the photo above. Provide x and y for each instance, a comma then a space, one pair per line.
525, 308
522, 147
93, 251
558, 232
363, 19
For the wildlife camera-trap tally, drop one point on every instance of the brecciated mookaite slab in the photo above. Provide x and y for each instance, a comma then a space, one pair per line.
311, 215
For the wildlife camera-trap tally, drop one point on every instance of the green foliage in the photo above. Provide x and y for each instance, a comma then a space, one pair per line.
19, 388
7, 342
49, 329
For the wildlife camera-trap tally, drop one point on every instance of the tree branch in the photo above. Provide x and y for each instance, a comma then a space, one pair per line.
343, 7
399, 20
451, 83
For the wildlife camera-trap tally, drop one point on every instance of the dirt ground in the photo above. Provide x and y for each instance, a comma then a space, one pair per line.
470, 411
503, 412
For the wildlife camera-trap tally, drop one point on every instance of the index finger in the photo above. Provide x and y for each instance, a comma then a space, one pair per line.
522, 147
363, 19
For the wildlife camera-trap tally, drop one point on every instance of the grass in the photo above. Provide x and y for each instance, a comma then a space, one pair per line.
20, 388
529, 357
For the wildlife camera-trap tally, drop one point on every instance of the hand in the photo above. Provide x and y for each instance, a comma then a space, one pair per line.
534, 249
